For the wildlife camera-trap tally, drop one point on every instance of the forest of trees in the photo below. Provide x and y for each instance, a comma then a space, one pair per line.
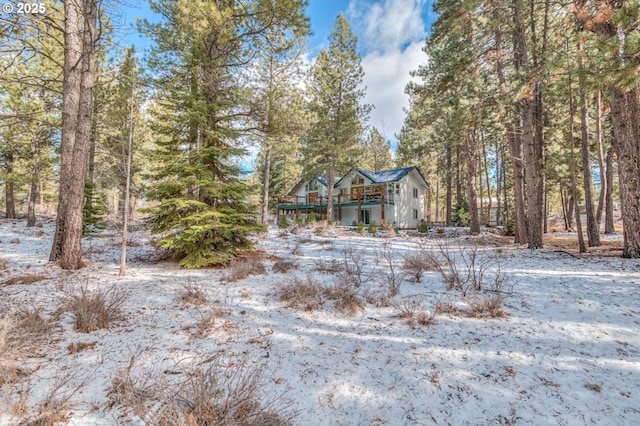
523, 102
528, 104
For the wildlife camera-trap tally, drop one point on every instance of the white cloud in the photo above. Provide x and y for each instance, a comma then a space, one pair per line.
387, 25
391, 33
386, 76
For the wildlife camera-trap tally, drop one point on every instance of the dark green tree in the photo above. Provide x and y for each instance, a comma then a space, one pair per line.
335, 89
376, 152
202, 62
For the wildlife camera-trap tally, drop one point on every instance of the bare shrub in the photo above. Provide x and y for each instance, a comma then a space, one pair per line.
213, 392
346, 298
411, 310
332, 267
241, 269
426, 318
207, 322
283, 266
193, 294
489, 306
465, 271
20, 331
490, 302
418, 263
57, 404
407, 309
448, 268
354, 266
25, 279
296, 249
305, 293
131, 390
93, 310
392, 275
80, 346
448, 307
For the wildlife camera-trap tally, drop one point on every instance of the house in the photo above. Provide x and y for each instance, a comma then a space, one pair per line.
399, 196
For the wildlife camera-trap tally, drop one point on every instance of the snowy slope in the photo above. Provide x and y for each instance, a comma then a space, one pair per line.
567, 351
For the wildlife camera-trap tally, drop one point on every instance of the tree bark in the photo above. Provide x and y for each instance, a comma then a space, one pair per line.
609, 226
77, 99
601, 168
127, 190
531, 149
515, 151
33, 192
10, 202
449, 189
265, 184
470, 151
574, 187
625, 116
331, 180
593, 226
593, 229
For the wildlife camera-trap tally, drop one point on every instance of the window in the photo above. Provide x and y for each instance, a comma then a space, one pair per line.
357, 180
415, 192
415, 213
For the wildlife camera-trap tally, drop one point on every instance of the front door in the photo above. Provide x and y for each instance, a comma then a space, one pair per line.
365, 216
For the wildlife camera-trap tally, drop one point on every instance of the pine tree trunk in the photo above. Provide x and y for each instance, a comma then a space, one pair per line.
488, 181
514, 146
593, 230
265, 184
77, 100
331, 180
31, 211
574, 187
10, 202
601, 169
565, 212
609, 226
593, 226
33, 192
470, 151
449, 189
70, 103
531, 149
127, 186
625, 115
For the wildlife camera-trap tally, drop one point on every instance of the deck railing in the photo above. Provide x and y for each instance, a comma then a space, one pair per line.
340, 199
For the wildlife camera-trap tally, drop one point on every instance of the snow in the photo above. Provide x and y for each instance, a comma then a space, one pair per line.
567, 352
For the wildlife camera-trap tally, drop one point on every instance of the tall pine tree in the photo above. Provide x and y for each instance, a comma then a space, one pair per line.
336, 91
202, 64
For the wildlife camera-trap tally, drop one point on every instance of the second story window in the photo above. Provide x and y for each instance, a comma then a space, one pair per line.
415, 192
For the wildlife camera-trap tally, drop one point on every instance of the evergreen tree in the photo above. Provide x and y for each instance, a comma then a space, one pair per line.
376, 152
201, 62
335, 88
277, 98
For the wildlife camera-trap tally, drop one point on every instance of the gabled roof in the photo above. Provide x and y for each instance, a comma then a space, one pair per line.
384, 176
320, 178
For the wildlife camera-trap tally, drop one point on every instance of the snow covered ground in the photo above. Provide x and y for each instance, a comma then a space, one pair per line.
566, 351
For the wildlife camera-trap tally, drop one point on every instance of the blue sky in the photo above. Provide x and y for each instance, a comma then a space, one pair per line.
391, 34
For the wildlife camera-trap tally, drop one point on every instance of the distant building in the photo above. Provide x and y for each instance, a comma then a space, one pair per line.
400, 197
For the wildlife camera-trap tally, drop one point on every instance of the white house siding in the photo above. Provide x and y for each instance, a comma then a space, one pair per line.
400, 212
407, 204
